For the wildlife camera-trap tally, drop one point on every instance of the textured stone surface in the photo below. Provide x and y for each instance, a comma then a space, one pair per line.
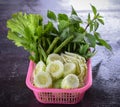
105, 91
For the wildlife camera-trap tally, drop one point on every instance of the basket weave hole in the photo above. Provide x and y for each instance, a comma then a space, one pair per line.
46, 96
67, 97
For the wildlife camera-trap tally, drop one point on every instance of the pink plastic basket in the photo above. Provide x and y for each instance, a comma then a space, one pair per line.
58, 96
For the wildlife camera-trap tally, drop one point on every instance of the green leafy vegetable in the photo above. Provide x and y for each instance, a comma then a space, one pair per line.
62, 25
24, 31
101, 41
62, 17
94, 9
61, 33
73, 12
51, 15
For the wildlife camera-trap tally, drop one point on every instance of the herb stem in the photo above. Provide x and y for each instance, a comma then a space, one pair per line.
52, 45
43, 53
68, 47
74, 46
48, 40
64, 43
90, 23
87, 26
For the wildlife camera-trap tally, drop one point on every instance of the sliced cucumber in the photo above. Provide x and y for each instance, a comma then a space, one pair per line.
53, 57
78, 60
57, 83
40, 66
69, 68
56, 69
70, 59
70, 81
43, 80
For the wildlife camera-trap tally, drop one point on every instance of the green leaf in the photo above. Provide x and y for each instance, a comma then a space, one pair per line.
73, 12
64, 34
15, 26
34, 19
72, 29
94, 10
101, 41
39, 31
28, 34
62, 25
81, 30
89, 38
90, 54
62, 17
97, 35
24, 30
54, 31
101, 21
84, 49
99, 16
51, 15
104, 43
89, 18
78, 37
75, 19
96, 25
14, 37
48, 28
91, 27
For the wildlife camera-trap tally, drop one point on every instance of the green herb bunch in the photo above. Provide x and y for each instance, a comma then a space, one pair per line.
61, 33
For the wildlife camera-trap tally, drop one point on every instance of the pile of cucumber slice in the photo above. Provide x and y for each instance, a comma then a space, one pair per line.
66, 71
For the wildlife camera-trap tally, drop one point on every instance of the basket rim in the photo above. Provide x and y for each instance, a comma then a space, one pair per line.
82, 89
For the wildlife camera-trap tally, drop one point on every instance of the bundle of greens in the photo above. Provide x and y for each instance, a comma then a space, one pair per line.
40, 40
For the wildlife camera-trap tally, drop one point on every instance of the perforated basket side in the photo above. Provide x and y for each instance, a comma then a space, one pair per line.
59, 98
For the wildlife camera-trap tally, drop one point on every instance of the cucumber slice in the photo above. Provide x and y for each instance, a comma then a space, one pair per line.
70, 59
70, 81
57, 83
78, 60
69, 68
53, 57
56, 69
40, 66
43, 80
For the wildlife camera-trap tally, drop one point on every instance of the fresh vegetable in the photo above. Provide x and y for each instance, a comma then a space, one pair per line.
70, 81
57, 83
40, 66
61, 33
52, 57
79, 61
43, 80
69, 68
25, 30
56, 69
60, 48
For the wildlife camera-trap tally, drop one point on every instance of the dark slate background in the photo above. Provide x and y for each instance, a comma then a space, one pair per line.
105, 91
